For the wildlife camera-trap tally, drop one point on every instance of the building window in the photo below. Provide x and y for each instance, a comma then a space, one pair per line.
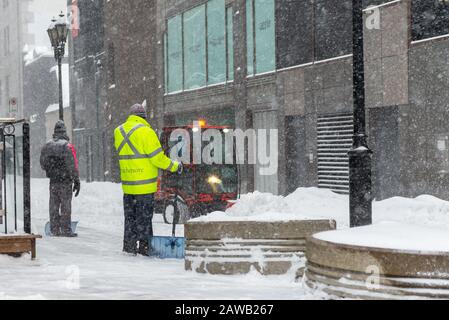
195, 48
111, 63
294, 32
165, 63
250, 36
7, 89
6, 41
430, 18
333, 28
230, 43
261, 36
174, 56
198, 47
216, 42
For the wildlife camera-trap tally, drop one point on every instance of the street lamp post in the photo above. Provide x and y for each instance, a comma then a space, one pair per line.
57, 33
360, 155
100, 162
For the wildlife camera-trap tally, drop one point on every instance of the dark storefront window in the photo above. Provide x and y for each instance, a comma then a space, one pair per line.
308, 30
294, 32
111, 63
430, 18
199, 47
261, 42
333, 33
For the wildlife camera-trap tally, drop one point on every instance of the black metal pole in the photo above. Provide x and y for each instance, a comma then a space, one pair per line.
97, 105
5, 206
360, 156
61, 101
26, 179
15, 180
2, 148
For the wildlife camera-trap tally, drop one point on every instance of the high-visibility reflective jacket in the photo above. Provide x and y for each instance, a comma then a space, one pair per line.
141, 156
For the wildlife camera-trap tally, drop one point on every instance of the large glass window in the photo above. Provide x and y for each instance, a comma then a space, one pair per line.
230, 42
250, 36
195, 48
199, 47
294, 32
174, 56
165, 62
216, 41
333, 28
261, 36
430, 18
265, 36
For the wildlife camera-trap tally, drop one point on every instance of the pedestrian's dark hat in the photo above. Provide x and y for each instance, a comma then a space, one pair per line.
60, 127
138, 110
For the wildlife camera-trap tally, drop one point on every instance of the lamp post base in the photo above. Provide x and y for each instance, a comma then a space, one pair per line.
360, 192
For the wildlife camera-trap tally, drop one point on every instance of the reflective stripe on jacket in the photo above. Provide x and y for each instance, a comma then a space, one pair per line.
141, 156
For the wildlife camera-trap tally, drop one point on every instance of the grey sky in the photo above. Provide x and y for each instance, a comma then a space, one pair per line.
43, 11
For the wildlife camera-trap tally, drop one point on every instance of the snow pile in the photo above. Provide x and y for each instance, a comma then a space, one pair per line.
392, 235
305, 203
35, 53
424, 210
313, 203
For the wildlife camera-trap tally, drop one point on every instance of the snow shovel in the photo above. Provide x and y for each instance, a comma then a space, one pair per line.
48, 233
169, 247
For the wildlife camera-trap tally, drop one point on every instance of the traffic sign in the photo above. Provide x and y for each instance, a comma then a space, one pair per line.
13, 105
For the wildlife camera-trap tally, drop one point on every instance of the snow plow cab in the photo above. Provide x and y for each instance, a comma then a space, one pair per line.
202, 188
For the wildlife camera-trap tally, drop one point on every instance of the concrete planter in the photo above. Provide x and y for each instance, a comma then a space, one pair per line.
346, 271
228, 248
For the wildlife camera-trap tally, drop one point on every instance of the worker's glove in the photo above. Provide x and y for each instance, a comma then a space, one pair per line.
76, 186
180, 168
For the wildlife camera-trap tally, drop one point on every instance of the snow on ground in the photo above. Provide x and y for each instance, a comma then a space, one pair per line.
392, 235
93, 266
313, 203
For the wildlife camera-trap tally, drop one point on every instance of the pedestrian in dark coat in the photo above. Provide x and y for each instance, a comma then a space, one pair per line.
58, 160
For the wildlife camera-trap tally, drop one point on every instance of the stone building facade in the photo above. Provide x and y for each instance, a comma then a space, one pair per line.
14, 17
287, 65
39, 96
86, 59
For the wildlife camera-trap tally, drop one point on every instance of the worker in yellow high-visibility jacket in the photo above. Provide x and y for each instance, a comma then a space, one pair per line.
140, 156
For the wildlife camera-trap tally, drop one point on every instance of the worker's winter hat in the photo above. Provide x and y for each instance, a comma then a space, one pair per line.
138, 110
60, 127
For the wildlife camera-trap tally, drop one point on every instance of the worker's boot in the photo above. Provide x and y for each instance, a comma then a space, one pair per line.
144, 248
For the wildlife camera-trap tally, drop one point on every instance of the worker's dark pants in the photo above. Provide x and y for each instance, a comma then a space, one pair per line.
138, 223
60, 208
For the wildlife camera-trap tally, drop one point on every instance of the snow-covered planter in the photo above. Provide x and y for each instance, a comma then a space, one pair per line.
237, 247
384, 261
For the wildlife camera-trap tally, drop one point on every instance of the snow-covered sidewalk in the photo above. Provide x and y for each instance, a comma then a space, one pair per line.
93, 266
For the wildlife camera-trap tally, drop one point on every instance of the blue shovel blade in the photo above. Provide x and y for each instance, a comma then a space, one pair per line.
167, 247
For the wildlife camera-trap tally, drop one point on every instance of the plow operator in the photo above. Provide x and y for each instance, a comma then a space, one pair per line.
140, 156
